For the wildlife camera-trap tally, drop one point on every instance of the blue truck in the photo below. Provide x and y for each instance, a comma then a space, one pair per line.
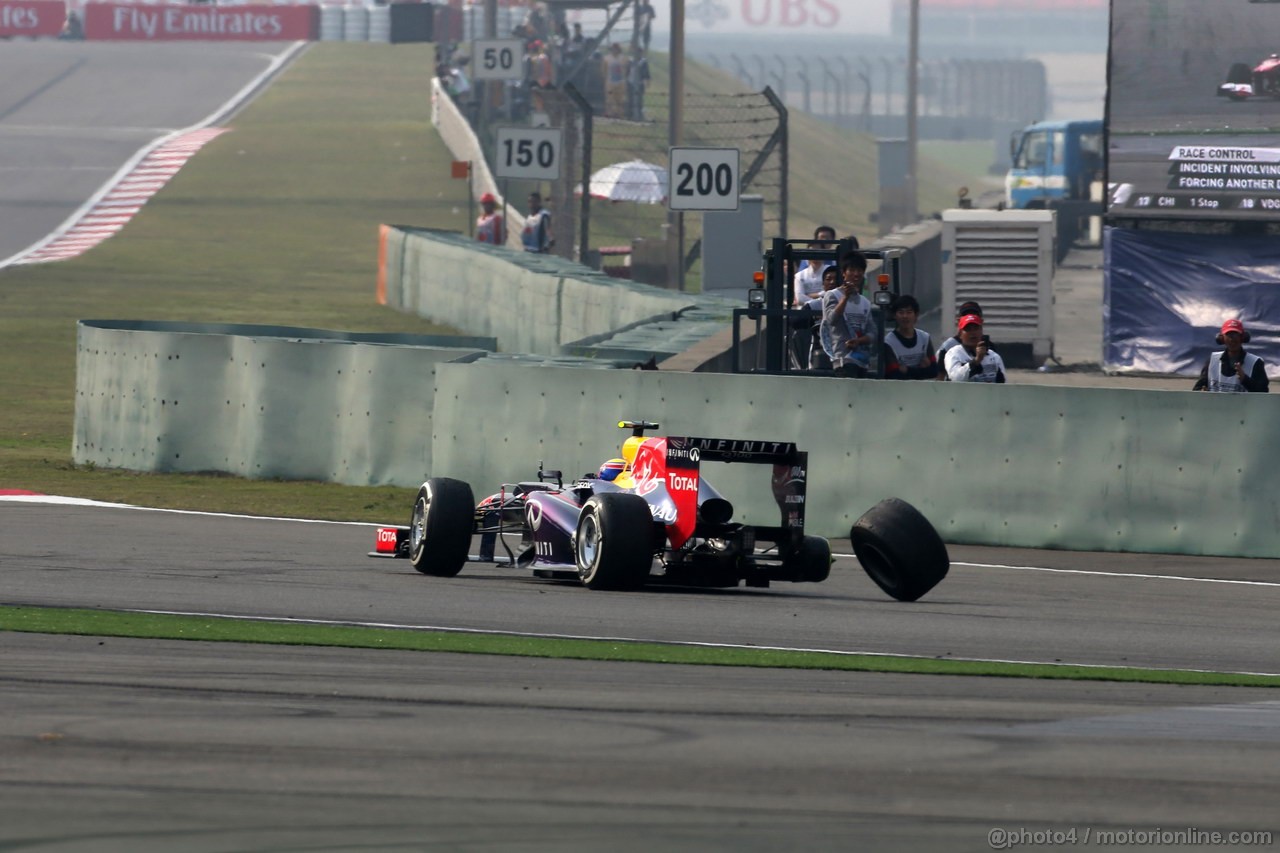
1054, 161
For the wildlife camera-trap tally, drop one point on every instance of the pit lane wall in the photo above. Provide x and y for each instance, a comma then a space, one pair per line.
258, 401
530, 303
1032, 466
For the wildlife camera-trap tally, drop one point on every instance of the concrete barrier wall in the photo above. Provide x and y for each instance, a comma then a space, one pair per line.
529, 303
1032, 466
257, 401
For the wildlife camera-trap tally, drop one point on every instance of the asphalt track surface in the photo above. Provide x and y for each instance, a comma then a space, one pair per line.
167, 745
73, 113
133, 745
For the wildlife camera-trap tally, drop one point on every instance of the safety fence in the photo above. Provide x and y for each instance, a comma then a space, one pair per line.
959, 97
609, 203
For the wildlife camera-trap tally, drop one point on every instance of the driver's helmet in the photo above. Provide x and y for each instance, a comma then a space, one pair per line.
611, 469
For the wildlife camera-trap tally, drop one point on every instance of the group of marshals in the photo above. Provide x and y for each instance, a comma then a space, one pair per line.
907, 351
969, 357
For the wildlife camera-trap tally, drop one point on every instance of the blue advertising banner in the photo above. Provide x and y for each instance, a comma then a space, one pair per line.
1167, 295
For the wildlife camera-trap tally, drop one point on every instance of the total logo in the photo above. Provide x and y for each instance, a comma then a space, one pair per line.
682, 483
386, 540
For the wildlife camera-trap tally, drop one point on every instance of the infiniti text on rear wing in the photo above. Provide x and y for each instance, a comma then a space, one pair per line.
790, 467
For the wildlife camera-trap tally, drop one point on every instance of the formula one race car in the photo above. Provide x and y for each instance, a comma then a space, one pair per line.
607, 529
1261, 81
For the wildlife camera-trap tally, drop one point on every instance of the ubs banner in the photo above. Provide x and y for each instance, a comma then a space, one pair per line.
199, 23
32, 17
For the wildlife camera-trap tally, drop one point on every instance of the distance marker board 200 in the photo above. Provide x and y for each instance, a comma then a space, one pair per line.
704, 179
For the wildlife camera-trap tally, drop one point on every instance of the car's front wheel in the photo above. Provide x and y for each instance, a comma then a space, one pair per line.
899, 549
613, 545
441, 526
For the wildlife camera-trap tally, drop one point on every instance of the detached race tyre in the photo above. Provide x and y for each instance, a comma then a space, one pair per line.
440, 527
813, 560
613, 546
899, 549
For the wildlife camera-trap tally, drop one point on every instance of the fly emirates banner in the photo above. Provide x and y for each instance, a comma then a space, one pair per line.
31, 17
203, 23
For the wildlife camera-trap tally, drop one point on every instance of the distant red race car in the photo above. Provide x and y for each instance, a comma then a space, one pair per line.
650, 516
1261, 81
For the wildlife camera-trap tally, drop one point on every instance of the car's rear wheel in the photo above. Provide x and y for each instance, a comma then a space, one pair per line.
441, 526
899, 549
813, 561
613, 545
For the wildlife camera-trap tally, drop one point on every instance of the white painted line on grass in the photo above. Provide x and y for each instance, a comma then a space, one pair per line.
343, 623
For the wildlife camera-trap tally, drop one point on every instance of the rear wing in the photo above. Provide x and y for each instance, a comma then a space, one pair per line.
790, 467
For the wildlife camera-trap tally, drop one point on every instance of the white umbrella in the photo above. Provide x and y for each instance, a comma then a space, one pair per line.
634, 180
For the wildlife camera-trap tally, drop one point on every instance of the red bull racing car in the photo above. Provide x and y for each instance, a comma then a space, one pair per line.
650, 517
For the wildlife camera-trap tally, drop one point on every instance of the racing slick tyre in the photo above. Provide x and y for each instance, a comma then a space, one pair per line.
613, 546
899, 549
813, 560
440, 528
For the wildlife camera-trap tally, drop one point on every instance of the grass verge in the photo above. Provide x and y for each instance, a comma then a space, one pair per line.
106, 623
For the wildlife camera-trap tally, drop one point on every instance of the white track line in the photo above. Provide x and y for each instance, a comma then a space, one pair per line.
169, 151
1115, 574
61, 501
682, 643
1097, 573
64, 501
